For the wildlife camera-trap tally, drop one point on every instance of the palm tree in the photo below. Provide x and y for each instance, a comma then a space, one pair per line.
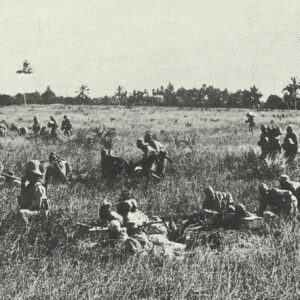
26, 69
292, 90
255, 96
83, 92
120, 94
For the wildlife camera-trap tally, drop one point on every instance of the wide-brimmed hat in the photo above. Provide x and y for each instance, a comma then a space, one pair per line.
33, 166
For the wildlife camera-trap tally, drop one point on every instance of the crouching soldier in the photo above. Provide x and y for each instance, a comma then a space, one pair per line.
106, 215
217, 201
290, 144
58, 169
148, 162
112, 166
293, 186
33, 202
127, 207
279, 201
162, 154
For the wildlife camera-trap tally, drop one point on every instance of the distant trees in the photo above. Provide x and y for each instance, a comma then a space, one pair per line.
120, 95
291, 93
275, 102
205, 96
48, 96
82, 94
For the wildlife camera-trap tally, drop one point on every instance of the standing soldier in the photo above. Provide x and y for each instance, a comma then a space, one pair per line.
290, 144
274, 141
263, 142
36, 126
53, 125
250, 120
66, 126
33, 202
162, 154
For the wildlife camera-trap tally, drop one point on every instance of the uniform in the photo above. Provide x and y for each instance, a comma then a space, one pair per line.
217, 201
66, 126
279, 201
33, 201
290, 144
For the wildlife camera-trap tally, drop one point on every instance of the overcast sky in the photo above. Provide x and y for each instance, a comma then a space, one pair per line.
144, 44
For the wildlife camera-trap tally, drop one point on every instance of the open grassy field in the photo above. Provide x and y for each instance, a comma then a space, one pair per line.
209, 147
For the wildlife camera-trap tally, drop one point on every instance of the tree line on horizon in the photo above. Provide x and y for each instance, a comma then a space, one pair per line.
206, 97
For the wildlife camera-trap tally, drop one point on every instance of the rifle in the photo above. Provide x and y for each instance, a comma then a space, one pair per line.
10, 176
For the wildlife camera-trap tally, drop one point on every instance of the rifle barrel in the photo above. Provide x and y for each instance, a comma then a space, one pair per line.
10, 176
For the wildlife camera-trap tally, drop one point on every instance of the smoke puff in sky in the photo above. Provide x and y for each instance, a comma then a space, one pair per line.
145, 44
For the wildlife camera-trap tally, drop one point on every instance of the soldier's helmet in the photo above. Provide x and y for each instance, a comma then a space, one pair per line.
284, 178
134, 205
148, 136
65, 117
140, 142
52, 157
240, 210
125, 195
263, 188
263, 127
289, 128
208, 191
33, 166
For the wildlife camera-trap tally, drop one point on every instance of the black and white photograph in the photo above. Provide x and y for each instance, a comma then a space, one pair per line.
149, 149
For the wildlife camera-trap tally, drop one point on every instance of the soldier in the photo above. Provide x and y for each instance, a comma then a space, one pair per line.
274, 141
106, 215
218, 201
33, 202
290, 144
36, 126
53, 125
148, 162
3, 129
162, 156
279, 201
293, 186
43, 131
263, 141
250, 120
66, 126
58, 169
112, 166
127, 207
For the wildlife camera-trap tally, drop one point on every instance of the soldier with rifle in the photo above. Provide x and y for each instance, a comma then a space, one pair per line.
290, 144
66, 126
58, 169
162, 154
33, 202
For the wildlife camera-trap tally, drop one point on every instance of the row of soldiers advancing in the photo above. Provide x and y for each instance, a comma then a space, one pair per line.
66, 127
269, 142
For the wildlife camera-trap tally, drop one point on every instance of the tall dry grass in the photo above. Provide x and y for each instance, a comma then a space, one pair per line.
219, 153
